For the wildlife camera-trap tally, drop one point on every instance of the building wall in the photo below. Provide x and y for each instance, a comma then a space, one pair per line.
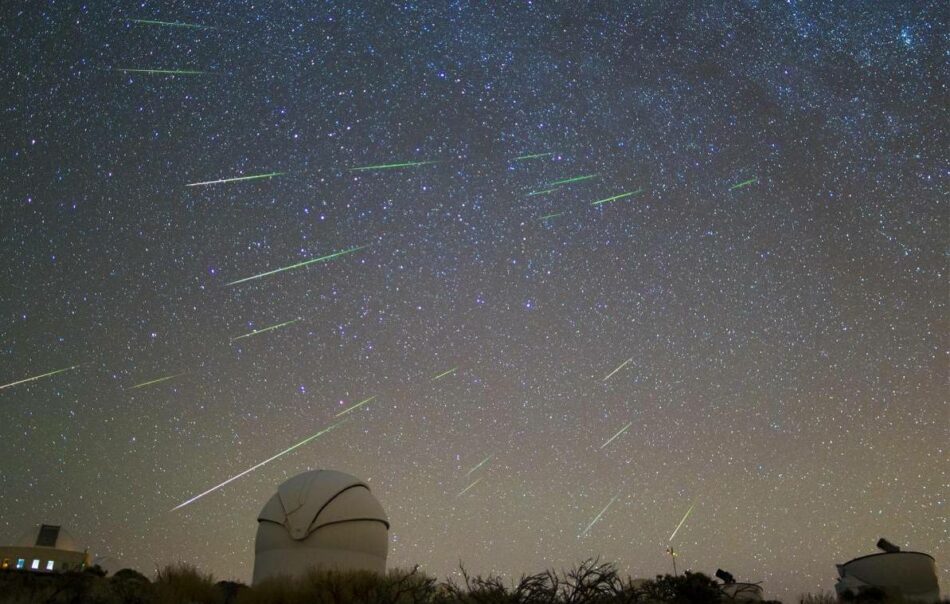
38, 559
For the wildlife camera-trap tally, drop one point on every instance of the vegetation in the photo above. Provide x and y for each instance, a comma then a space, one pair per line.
591, 582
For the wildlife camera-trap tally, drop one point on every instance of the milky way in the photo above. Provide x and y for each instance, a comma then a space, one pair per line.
746, 206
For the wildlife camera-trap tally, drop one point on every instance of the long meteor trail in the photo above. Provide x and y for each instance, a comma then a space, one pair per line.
251, 469
168, 23
156, 381
566, 181
611, 439
236, 179
38, 377
265, 329
544, 192
466, 489
300, 264
164, 71
743, 184
621, 366
356, 406
615, 197
407, 164
533, 156
596, 518
685, 516
479, 464
444, 373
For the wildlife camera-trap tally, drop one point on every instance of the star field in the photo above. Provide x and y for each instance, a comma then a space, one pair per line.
768, 263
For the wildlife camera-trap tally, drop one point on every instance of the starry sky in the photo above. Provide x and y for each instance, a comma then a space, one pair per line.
762, 297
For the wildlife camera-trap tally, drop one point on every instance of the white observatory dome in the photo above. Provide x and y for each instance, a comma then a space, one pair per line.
324, 520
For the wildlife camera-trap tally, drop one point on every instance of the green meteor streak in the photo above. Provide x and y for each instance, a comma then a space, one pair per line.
596, 518
616, 197
544, 192
622, 365
168, 23
265, 329
237, 179
570, 180
553, 215
356, 406
408, 164
443, 374
299, 264
150, 382
466, 489
251, 469
534, 156
480, 464
37, 377
164, 71
743, 184
685, 516
611, 439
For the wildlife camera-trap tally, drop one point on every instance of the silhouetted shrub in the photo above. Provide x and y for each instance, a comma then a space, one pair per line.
181, 583
688, 588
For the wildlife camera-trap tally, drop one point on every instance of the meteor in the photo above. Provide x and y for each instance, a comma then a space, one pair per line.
356, 406
480, 464
743, 184
570, 180
161, 379
533, 156
622, 365
164, 71
251, 469
38, 377
237, 179
549, 216
685, 516
444, 373
466, 489
611, 439
265, 329
616, 197
168, 23
299, 264
408, 164
596, 518
544, 192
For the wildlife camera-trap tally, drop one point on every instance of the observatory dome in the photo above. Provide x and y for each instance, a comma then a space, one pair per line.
322, 519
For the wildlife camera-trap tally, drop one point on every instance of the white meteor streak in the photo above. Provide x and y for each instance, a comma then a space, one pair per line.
622, 365
596, 518
466, 489
251, 469
685, 516
611, 439
37, 377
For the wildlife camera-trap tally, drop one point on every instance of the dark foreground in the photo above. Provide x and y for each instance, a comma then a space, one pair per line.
589, 583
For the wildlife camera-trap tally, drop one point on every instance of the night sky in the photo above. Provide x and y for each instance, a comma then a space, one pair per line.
767, 309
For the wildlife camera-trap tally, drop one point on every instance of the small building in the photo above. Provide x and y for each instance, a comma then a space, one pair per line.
320, 520
910, 576
46, 548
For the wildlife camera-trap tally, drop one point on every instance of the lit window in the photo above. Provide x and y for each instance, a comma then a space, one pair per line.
20, 563
36, 564
49, 565
6, 563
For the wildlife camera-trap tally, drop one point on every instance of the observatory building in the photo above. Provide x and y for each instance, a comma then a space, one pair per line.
908, 575
45, 548
324, 520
